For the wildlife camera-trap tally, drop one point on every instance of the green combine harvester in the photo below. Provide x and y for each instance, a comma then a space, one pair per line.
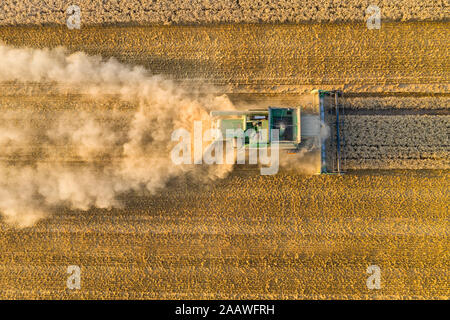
297, 131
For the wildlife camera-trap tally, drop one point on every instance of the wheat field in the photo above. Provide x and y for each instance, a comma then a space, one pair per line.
267, 58
287, 236
248, 236
144, 12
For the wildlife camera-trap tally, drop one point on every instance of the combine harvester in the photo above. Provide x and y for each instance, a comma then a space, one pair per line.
319, 131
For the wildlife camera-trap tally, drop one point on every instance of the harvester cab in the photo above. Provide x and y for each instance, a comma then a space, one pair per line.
257, 125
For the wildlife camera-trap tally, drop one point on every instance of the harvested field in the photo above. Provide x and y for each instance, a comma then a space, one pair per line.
284, 236
218, 11
89, 174
400, 57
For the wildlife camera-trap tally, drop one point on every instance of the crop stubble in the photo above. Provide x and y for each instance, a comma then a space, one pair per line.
400, 57
284, 236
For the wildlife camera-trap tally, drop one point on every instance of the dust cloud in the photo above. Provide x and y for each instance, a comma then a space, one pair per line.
77, 160
307, 160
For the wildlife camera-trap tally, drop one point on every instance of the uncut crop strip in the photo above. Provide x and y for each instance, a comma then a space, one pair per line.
219, 11
396, 141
